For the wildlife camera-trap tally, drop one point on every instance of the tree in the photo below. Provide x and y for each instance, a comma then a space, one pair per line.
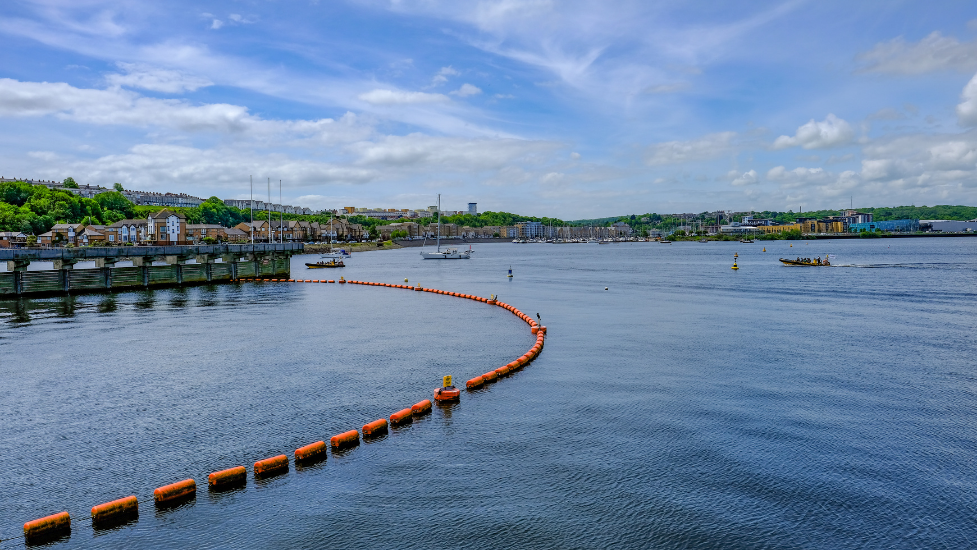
118, 187
374, 233
113, 200
32, 240
70, 183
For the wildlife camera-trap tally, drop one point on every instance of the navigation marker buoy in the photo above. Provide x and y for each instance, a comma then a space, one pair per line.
764, 249
605, 288
735, 267
510, 271
405, 279
736, 255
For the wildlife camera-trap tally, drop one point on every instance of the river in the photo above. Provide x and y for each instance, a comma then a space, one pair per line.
686, 406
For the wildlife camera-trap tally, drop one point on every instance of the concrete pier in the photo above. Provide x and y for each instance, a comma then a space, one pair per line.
237, 261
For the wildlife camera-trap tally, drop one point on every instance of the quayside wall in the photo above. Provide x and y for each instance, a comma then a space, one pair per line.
236, 261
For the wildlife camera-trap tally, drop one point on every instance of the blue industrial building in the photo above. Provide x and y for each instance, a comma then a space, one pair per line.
899, 226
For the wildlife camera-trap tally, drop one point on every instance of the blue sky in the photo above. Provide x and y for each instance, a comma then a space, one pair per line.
559, 108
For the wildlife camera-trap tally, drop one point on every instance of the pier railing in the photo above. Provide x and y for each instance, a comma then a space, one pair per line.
236, 261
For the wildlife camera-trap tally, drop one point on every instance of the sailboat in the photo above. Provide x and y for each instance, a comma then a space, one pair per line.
448, 253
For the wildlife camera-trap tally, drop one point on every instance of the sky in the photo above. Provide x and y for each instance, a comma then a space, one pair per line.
569, 109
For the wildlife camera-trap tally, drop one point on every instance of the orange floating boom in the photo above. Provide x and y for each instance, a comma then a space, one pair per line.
422, 407
311, 452
175, 492
225, 479
114, 512
344, 439
401, 416
375, 428
48, 527
271, 466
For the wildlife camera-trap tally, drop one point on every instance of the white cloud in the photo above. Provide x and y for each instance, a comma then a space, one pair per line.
397, 97
217, 23
574, 156
933, 53
674, 152
155, 79
746, 178
122, 107
798, 177
467, 90
145, 166
504, 96
457, 154
242, 20
967, 109
443, 75
668, 88
832, 132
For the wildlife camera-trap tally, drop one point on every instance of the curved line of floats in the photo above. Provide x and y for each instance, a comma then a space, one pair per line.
125, 509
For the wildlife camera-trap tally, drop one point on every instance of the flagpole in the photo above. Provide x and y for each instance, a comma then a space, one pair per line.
252, 209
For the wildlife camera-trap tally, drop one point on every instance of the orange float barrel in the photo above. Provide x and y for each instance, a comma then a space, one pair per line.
490, 376
345, 439
475, 383
330, 281
313, 452
501, 371
401, 417
375, 428
48, 527
175, 493
227, 479
115, 512
534, 330
271, 466
422, 407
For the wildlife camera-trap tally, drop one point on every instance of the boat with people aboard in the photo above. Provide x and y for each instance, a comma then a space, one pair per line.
334, 262
812, 262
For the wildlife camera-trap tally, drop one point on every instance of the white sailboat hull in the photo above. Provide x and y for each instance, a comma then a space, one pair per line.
447, 255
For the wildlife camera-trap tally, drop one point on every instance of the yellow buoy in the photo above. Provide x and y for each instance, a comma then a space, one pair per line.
734, 265
736, 255
764, 249
405, 279
792, 246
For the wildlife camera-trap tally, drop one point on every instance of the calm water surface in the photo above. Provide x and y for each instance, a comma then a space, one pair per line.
687, 406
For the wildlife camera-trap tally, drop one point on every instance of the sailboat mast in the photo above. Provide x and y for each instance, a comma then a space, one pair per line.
439, 222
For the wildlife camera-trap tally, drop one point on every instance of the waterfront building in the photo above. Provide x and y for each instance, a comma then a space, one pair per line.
167, 227
737, 228
197, 232
473, 208
897, 226
948, 226
127, 231
12, 239
67, 233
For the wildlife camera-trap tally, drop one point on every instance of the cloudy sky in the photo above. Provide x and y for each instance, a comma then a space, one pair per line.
544, 107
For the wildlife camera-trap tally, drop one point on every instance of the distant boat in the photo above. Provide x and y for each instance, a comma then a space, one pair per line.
447, 253
665, 241
323, 264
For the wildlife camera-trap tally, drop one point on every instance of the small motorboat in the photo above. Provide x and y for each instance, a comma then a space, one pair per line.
446, 392
323, 264
810, 262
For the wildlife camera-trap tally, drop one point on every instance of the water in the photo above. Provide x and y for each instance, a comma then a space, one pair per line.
687, 406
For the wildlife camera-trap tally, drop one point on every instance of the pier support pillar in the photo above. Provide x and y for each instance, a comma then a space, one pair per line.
207, 260
232, 259
64, 266
18, 267
106, 265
